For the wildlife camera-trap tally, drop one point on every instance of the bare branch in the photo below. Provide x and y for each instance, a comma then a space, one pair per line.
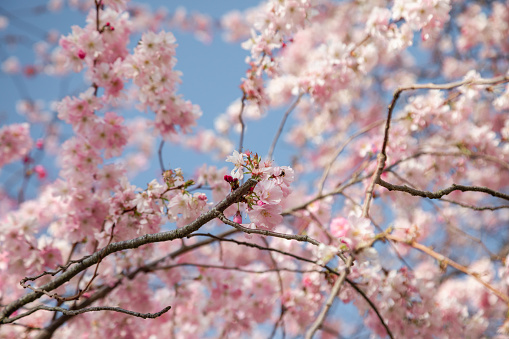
89, 309
160, 155
341, 149
282, 125
241, 120
303, 238
234, 268
441, 193
375, 309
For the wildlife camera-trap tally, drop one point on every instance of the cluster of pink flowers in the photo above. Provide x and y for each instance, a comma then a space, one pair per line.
264, 203
91, 46
339, 63
15, 142
428, 16
151, 68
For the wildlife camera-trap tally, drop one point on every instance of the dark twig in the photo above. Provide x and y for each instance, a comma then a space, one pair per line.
439, 194
160, 156
303, 238
241, 120
282, 125
89, 309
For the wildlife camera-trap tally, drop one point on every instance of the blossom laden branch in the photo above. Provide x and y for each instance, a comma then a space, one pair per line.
129, 244
382, 156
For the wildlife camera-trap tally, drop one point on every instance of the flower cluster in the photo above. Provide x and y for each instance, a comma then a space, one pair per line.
264, 203
151, 68
15, 142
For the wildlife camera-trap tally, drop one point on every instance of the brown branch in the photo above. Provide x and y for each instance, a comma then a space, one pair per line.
282, 125
103, 291
160, 156
232, 268
373, 306
302, 238
242, 125
439, 194
89, 309
327, 268
281, 294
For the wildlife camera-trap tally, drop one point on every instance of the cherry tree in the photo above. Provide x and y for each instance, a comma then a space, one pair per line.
385, 215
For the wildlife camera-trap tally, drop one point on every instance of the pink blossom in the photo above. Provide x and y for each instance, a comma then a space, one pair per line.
268, 192
40, 171
15, 142
266, 216
339, 227
11, 65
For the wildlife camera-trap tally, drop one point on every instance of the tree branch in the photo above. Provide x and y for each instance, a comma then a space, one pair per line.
441, 193
282, 125
89, 309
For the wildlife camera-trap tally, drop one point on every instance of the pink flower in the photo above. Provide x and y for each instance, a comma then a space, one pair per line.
11, 65
339, 227
238, 218
15, 142
266, 216
82, 54
41, 172
269, 192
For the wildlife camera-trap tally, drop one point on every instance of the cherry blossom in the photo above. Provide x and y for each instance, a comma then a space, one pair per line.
380, 206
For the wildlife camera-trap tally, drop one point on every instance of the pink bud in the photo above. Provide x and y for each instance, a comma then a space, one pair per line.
237, 218
41, 171
202, 197
82, 54
39, 144
228, 178
260, 203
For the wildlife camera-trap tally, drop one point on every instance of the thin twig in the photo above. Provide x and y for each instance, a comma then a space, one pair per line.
341, 149
282, 125
303, 238
160, 156
241, 120
281, 293
89, 309
439, 194
375, 309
